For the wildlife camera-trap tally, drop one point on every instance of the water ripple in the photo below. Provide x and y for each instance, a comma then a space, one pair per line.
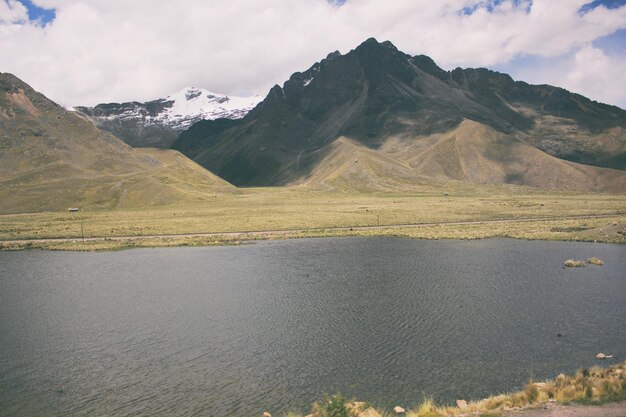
235, 331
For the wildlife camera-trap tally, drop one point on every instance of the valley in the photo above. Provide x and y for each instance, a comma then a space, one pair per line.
288, 212
466, 181
329, 208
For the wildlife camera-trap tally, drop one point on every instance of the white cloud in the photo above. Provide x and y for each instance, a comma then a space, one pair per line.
587, 70
116, 50
596, 75
12, 11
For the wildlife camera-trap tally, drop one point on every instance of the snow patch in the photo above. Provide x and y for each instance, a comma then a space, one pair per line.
190, 105
183, 108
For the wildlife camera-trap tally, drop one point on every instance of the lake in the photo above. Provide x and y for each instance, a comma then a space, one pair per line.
221, 331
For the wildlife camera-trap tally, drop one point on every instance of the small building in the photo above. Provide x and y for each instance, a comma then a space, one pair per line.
73, 209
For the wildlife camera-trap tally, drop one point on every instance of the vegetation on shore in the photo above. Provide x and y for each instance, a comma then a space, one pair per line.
294, 213
594, 386
531, 230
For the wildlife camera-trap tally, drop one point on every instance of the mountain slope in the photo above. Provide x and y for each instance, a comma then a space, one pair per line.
348, 165
375, 93
51, 159
477, 153
471, 152
158, 123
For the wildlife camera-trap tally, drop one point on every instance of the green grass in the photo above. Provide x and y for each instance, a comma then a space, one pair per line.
334, 406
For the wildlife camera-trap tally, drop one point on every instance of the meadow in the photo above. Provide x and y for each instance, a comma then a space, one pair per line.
267, 213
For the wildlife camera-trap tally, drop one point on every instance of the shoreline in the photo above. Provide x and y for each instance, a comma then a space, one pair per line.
565, 228
593, 392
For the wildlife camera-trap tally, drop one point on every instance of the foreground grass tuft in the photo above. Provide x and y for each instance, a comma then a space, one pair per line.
588, 386
334, 406
594, 386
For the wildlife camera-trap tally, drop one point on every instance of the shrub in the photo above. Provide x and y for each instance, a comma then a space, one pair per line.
561, 381
332, 406
519, 399
426, 409
493, 403
566, 394
551, 389
532, 392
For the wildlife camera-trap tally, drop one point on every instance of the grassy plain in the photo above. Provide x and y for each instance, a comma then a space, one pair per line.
298, 212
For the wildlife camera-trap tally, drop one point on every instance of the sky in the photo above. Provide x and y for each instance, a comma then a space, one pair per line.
85, 52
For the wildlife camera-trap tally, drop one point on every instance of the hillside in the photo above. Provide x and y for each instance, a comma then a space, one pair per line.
376, 95
52, 159
471, 152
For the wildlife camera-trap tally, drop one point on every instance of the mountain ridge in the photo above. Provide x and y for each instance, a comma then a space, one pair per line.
157, 123
51, 158
376, 92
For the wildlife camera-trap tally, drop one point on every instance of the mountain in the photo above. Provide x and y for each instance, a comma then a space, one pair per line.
472, 152
52, 159
375, 96
158, 123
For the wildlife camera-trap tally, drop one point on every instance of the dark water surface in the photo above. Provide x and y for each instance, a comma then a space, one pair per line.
237, 330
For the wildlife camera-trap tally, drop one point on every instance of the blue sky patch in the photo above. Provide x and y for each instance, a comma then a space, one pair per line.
609, 4
491, 5
36, 13
613, 44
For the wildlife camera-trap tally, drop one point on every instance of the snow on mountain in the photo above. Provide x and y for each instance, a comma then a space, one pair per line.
158, 123
177, 111
190, 105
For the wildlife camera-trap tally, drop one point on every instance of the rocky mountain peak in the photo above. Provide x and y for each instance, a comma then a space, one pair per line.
376, 92
158, 122
191, 93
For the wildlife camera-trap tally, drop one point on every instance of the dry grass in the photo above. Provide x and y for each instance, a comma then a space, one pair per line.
118, 244
588, 386
593, 386
276, 209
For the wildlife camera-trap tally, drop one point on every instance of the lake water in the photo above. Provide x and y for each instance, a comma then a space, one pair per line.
274, 325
